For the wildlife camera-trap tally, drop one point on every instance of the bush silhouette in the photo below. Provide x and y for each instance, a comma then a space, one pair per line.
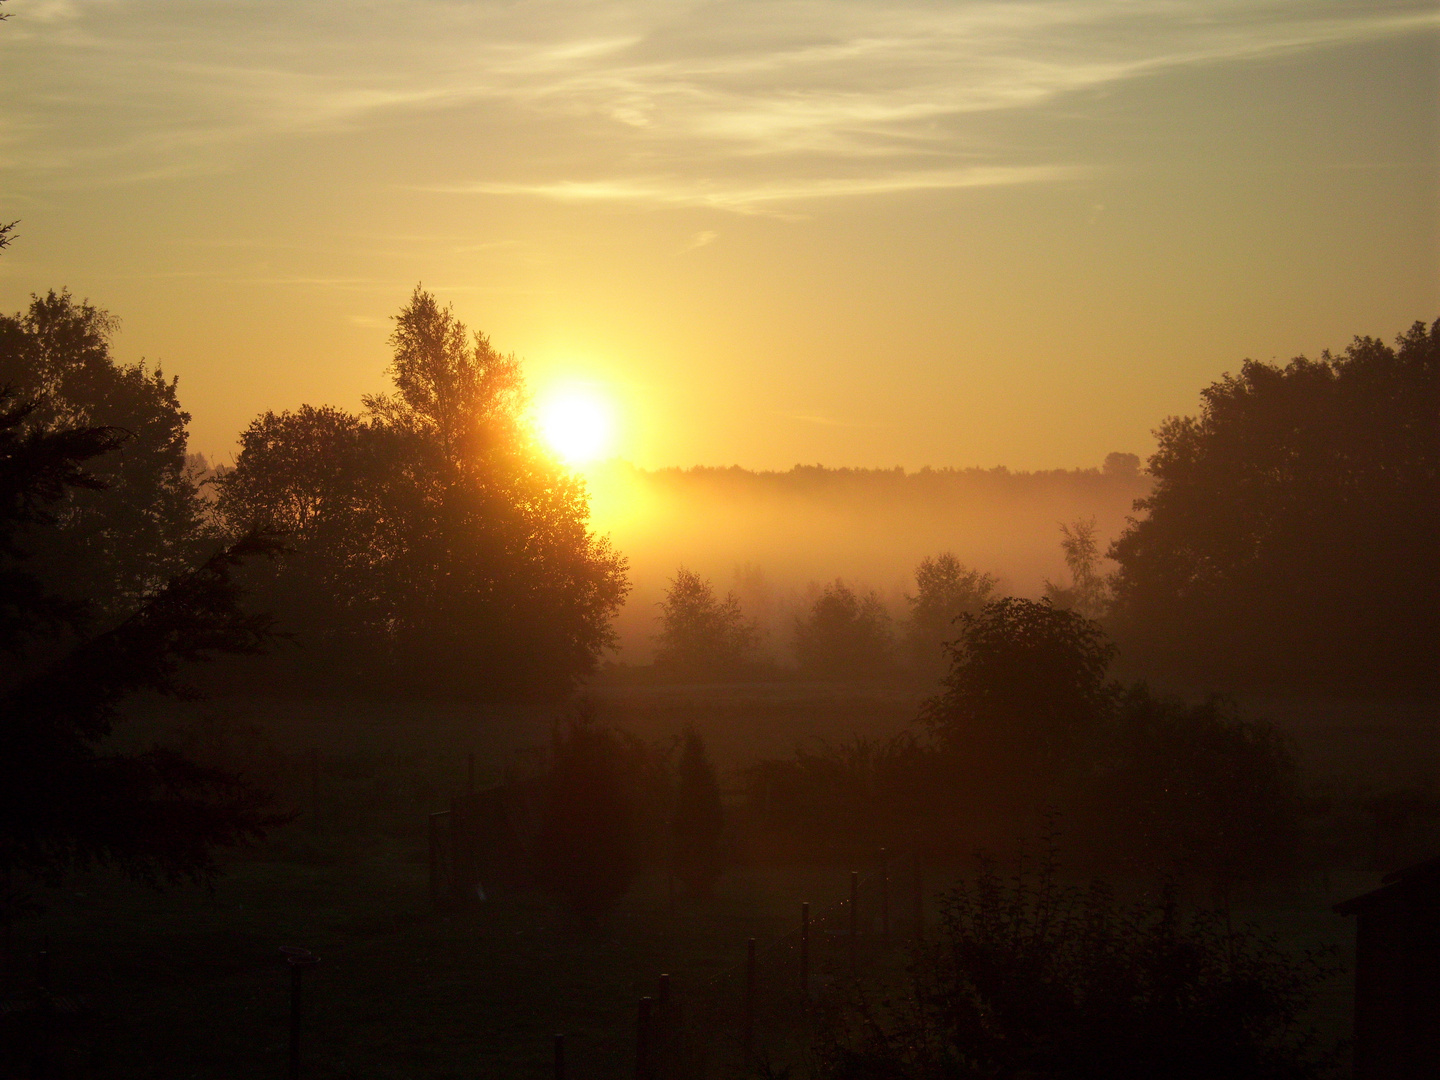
1033, 978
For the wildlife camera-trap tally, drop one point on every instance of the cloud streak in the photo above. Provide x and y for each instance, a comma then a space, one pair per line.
739, 106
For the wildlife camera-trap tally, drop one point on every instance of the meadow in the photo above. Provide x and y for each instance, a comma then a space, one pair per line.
189, 982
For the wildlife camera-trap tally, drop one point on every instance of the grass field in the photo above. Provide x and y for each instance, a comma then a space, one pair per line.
190, 983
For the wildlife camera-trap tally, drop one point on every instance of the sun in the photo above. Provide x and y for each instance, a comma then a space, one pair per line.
577, 423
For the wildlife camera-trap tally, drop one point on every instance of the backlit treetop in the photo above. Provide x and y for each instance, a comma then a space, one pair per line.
435, 546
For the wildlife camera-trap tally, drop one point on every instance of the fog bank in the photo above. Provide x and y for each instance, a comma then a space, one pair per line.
775, 537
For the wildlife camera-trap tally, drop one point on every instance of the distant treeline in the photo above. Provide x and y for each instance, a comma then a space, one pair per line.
777, 538
1283, 539
924, 484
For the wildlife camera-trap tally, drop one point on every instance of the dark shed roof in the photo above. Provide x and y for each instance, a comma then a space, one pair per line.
1423, 876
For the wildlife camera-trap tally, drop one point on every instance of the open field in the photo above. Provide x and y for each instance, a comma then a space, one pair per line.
188, 983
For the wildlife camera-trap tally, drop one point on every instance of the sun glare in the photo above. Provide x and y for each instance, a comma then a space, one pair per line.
576, 423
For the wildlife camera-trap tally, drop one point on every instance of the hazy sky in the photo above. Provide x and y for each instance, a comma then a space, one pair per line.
860, 232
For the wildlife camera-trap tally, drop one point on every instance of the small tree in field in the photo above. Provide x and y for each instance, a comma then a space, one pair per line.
700, 635
945, 589
1026, 680
699, 820
1088, 592
845, 635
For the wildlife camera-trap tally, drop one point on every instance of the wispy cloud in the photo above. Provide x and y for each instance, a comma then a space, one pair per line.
740, 105
757, 198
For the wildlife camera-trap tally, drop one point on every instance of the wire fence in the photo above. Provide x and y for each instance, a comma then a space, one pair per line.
761, 1016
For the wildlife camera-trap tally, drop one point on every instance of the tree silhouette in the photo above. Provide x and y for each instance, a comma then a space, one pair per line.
699, 819
700, 635
844, 635
144, 521
945, 589
65, 799
1088, 592
1290, 537
588, 847
1027, 681
435, 545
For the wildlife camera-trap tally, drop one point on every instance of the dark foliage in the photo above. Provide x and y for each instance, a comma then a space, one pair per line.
1029, 720
589, 843
434, 545
112, 542
701, 636
64, 799
840, 801
698, 823
1027, 684
1290, 539
945, 589
844, 636
1199, 789
1033, 978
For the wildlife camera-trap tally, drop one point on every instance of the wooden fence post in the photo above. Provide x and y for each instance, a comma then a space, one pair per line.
749, 1031
664, 1041
642, 1039
805, 950
884, 896
919, 899
434, 835
854, 920
314, 763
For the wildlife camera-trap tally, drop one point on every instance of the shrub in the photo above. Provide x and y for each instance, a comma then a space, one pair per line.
1033, 978
1198, 789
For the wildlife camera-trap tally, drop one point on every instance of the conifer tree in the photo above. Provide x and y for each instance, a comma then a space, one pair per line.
699, 820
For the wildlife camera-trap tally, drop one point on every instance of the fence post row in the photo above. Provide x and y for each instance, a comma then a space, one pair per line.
658, 1018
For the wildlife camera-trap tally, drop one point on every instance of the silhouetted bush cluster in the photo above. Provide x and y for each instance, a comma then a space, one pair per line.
1034, 978
589, 843
845, 635
1028, 719
702, 636
615, 804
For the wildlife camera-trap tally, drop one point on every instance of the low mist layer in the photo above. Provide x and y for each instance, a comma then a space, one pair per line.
774, 538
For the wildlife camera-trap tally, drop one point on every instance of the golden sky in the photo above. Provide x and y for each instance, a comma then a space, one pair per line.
855, 232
